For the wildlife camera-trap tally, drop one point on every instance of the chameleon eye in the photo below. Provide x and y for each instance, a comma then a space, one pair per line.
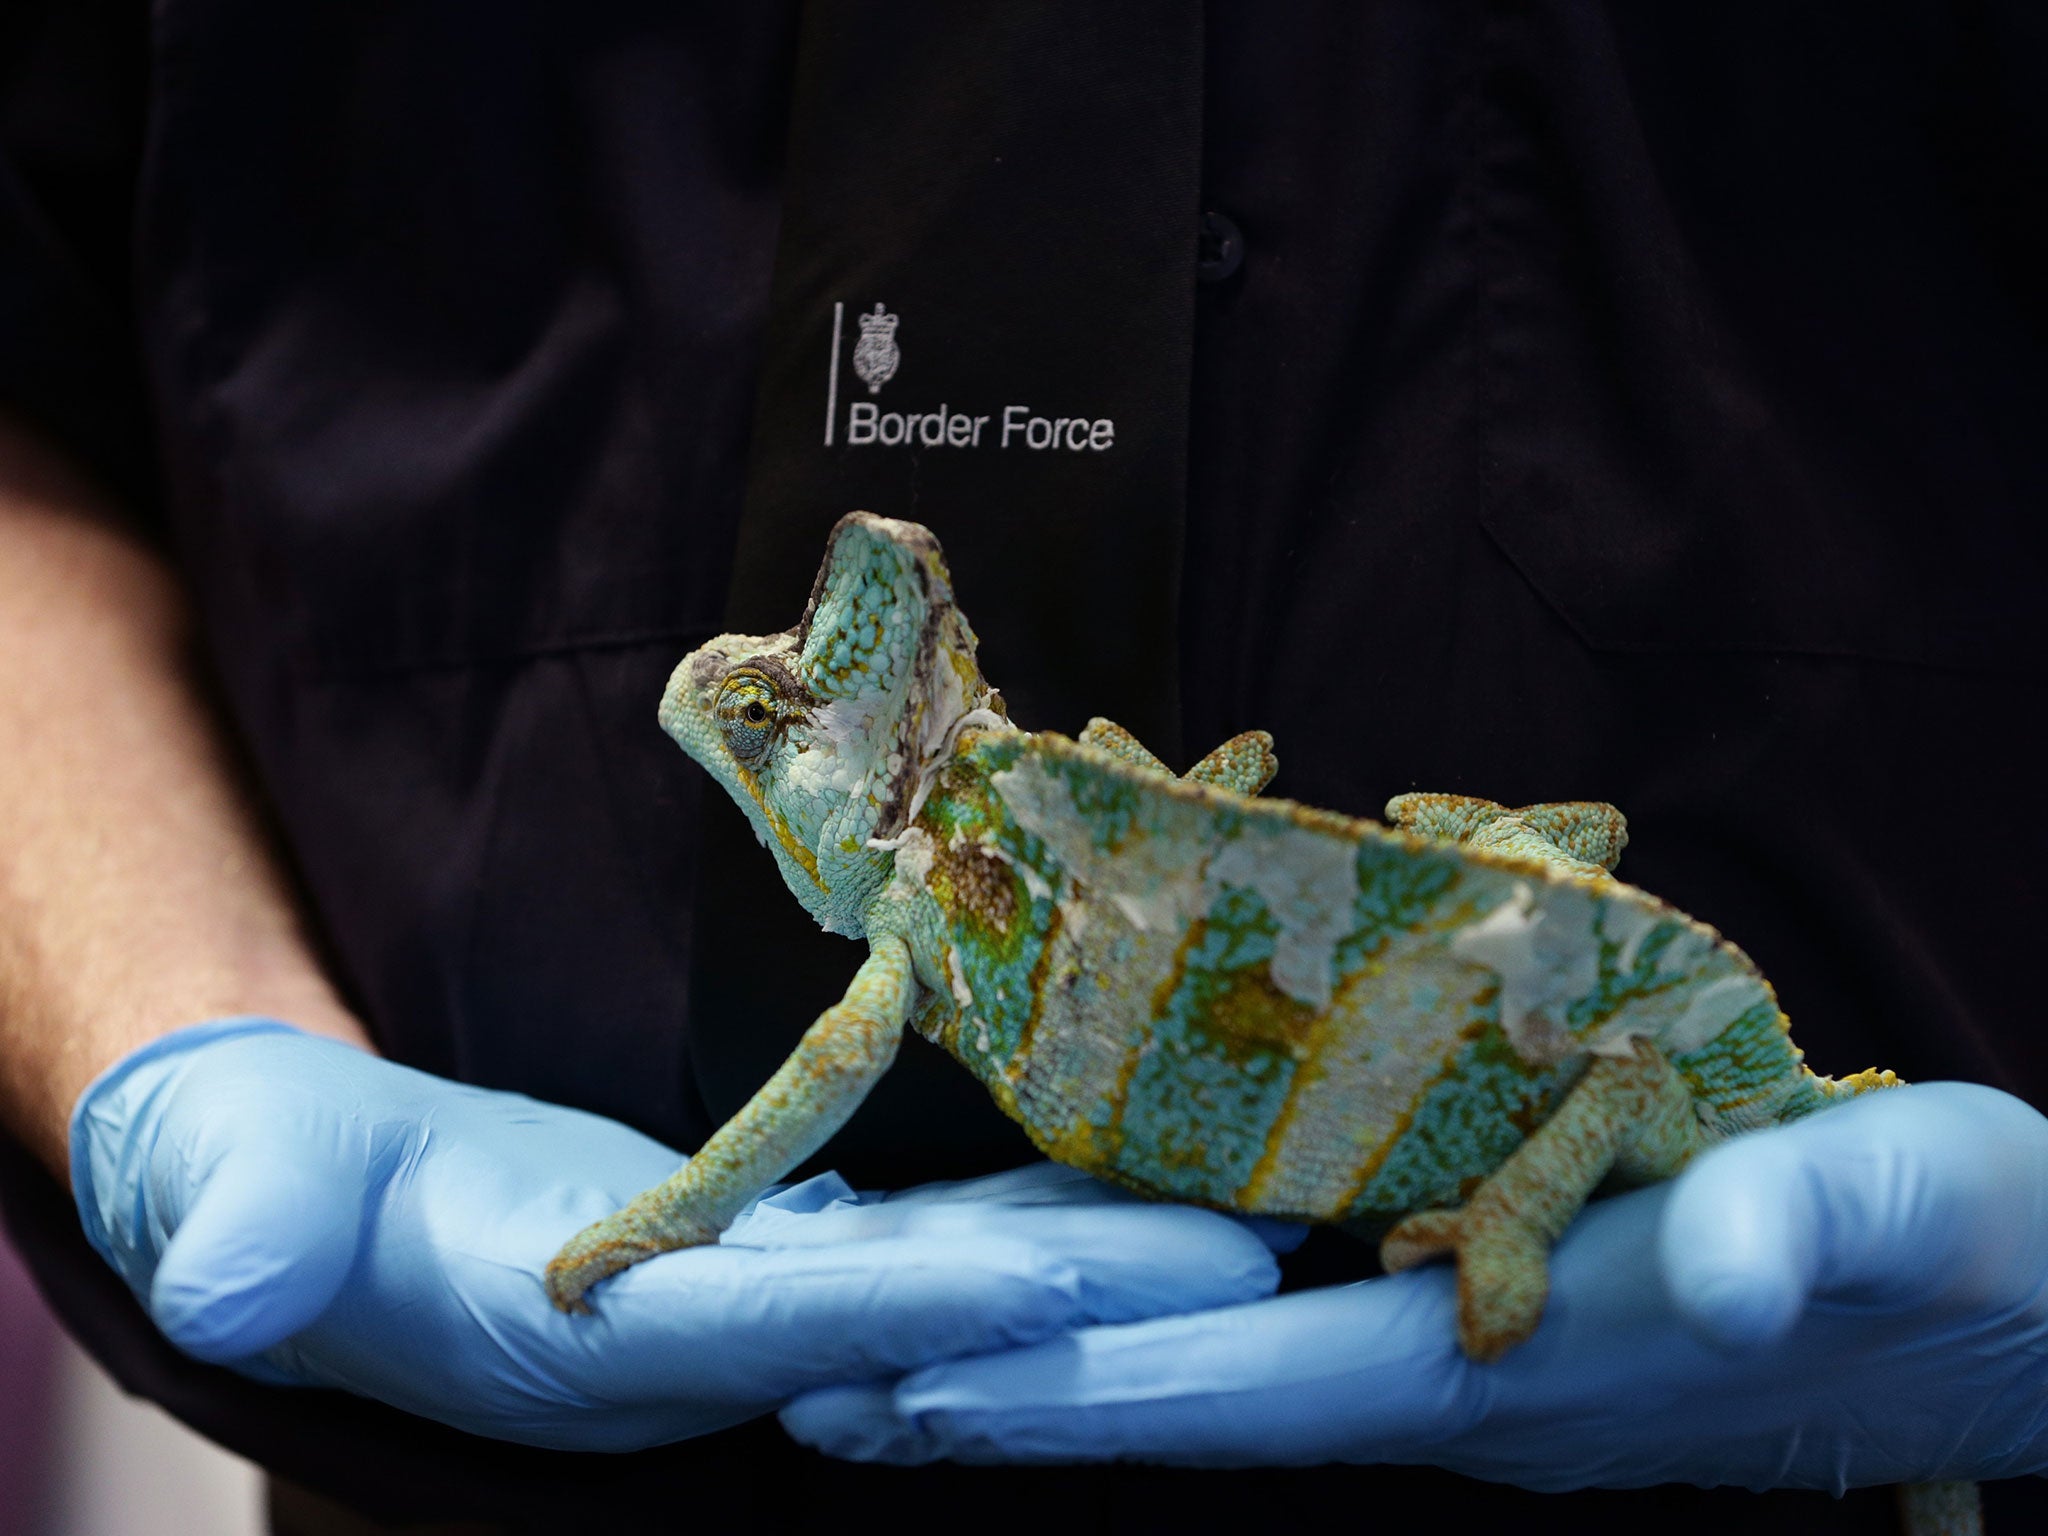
747, 715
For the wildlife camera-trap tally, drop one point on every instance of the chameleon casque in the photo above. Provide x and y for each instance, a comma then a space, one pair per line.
1450, 1029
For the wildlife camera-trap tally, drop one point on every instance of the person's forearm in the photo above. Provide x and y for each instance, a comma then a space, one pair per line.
137, 893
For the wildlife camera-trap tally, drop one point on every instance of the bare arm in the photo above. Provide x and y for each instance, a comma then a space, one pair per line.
136, 890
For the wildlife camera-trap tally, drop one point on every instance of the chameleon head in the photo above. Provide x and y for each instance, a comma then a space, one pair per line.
828, 735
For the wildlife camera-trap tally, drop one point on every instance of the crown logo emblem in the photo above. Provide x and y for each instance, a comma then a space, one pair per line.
875, 356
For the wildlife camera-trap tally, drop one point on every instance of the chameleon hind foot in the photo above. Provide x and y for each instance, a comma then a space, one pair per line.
1630, 1118
1503, 1270
1583, 831
1245, 764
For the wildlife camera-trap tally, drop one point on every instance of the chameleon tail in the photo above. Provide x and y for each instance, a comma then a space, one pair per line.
1925, 1509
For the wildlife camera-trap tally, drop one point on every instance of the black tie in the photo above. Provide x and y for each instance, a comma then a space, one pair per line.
981, 320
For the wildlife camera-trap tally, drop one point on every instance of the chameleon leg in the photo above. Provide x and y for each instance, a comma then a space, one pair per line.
1630, 1117
796, 1111
1245, 764
1108, 736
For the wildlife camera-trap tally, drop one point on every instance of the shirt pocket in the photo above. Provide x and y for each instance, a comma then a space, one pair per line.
1774, 537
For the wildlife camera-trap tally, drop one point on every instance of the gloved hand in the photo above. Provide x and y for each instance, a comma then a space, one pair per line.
1861, 1297
308, 1213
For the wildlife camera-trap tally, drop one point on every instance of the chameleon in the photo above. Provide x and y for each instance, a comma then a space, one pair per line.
1448, 1030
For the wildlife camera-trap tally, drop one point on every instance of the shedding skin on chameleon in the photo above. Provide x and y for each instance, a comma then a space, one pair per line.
1449, 1030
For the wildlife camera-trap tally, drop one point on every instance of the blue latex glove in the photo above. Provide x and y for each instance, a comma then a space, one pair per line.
308, 1213
1857, 1298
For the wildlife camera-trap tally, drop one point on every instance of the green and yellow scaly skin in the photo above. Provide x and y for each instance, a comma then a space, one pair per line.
1266, 1008
1451, 1029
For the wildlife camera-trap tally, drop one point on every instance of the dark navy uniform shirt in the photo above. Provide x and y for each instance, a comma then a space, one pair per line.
1617, 401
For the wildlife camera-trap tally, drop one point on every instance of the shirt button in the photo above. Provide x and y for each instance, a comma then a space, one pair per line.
1221, 250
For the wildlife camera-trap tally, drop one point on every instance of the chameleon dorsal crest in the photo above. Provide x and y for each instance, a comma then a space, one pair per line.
828, 735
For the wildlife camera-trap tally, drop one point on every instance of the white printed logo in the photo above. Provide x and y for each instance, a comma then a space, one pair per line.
875, 361
875, 356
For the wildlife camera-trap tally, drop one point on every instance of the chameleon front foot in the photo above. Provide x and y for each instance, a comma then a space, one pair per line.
1245, 764
1503, 1271
1108, 736
795, 1113
606, 1247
